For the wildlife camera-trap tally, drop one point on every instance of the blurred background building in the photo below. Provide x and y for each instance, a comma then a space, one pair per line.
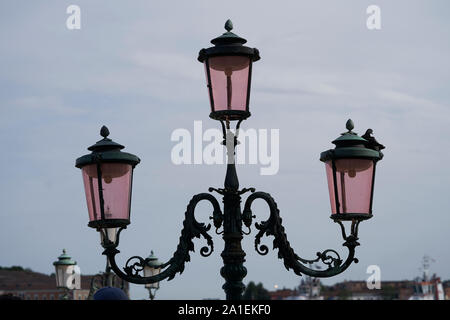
425, 287
25, 284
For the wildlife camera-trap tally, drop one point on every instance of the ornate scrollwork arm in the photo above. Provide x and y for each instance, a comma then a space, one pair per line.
273, 226
191, 229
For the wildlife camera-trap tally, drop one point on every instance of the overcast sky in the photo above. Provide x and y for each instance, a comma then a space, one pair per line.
133, 67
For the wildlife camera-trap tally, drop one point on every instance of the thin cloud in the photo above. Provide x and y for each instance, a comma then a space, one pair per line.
51, 104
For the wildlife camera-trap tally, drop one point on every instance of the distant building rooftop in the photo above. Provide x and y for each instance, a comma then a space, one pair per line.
30, 285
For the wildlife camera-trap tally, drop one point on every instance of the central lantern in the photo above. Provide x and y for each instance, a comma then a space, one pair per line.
228, 68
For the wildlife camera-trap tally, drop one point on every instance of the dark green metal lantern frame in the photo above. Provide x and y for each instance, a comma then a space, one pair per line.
228, 66
350, 170
108, 176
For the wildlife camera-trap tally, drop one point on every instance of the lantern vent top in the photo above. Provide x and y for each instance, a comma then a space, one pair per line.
106, 150
64, 259
106, 143
228, 37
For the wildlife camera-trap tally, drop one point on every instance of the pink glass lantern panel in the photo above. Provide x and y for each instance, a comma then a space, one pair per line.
229, 82
354, 185
116, 184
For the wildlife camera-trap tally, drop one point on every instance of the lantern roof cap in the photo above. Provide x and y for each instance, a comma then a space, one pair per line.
349, 137
152, 260
228, 37
106, 150
227, 44
65, 260
350, 145
105, 143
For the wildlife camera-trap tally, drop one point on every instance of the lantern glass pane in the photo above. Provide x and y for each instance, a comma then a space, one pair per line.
63, 274
59, 275
149, 272
111, 233
229, 82
354, 185
116, 184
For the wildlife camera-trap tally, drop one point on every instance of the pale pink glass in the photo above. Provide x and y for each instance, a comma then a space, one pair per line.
229, 82
354, 185
116, 184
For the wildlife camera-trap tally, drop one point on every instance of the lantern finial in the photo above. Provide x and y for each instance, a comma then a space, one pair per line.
349, 125
228, 25
104, 132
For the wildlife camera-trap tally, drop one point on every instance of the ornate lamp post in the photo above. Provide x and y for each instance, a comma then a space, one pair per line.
64, 273
350, 167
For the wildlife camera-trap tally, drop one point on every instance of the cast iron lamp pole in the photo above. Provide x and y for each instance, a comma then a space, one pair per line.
350, 166
104, 279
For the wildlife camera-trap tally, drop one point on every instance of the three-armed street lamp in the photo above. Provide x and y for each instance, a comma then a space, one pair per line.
350, 168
